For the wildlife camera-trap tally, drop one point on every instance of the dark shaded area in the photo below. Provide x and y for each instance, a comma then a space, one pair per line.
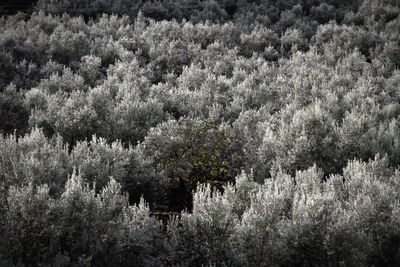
10, 7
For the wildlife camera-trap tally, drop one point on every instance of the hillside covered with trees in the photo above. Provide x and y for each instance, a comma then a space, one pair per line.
200, 133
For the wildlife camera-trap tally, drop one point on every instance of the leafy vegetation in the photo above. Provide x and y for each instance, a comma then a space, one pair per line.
197, 133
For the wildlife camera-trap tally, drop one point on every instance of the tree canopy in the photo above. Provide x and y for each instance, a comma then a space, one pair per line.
196, 133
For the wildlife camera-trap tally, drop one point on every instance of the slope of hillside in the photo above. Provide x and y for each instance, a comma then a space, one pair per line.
254, 133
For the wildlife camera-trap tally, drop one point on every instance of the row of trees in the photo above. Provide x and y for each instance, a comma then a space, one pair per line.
349, 220
263, 11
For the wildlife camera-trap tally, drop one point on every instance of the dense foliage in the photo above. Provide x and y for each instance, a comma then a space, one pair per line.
196, 133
